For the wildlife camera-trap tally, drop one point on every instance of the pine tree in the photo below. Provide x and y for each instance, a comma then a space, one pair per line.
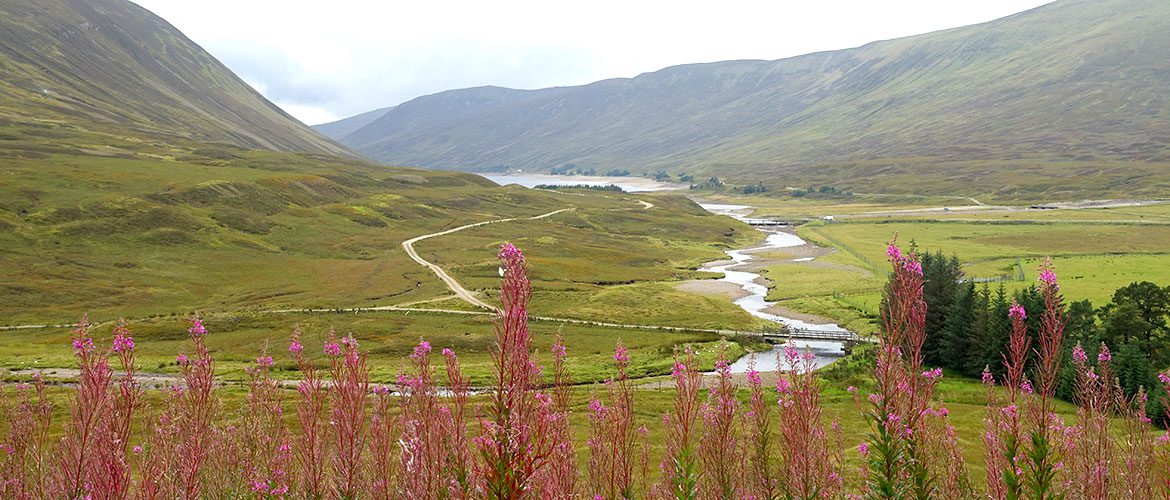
980, 343
958, 335
942, 276
998, 329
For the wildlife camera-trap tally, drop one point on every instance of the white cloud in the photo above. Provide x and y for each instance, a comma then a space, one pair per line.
326, 59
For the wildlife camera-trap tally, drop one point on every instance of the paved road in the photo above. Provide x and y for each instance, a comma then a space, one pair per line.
461, 292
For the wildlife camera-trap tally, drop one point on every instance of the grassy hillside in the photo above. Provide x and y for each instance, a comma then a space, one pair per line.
112, 67
137, 236
1064, 101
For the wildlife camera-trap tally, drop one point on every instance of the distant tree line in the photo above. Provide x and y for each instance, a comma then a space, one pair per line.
967, 327
607, 187
572, 169
712, 183
758, 188
821, 192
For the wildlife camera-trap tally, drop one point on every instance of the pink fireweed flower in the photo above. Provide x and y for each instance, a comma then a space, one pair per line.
597, 408
197, 329
559, 350
988, 378
83, 345
123, 342
783, 386
332, 348
894, 252
1047, 275
352, 343
421, 350
1104, 356
914, 267
182, 359
1026, 387
265, 361
1164, 378
447, 352
509, 251
851, 390
754, 377
863, 448
295, 347
1079, 354
1017, 312
934, 374
621, 355
1010, 410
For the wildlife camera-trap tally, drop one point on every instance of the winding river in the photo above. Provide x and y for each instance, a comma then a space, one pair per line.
755, 302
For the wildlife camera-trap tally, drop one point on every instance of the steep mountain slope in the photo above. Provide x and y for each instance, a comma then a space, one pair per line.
1076, 93
110, 66
341, 128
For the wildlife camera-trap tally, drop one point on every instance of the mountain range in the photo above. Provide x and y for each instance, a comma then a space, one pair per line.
1068, 99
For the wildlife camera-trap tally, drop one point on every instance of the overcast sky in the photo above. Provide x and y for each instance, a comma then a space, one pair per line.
325, 60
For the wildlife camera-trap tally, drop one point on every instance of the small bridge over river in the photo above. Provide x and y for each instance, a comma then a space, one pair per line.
810, 334
774, 222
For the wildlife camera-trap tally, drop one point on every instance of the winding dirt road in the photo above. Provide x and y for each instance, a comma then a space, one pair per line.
461, 292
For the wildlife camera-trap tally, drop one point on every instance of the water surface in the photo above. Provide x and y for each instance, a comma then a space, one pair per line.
755, 304
628, 184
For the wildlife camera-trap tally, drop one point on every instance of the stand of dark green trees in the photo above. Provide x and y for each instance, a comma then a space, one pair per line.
967, 328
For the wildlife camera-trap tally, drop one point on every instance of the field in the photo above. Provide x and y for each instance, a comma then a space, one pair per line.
965, 398
389, 336
1095, 251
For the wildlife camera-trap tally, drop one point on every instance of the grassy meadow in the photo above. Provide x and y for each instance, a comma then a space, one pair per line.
236, 340
1095, 250
964, 398
174, 231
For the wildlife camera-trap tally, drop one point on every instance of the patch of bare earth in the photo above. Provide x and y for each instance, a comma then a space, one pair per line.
712, 287
780, 310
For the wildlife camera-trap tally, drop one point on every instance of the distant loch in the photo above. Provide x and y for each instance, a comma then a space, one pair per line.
628, 184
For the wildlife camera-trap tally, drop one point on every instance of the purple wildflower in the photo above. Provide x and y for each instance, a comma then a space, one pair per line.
1104, 356
421, 350
894, 252
1017, 312
197, 329
621, 355
332, 348
1079, 354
